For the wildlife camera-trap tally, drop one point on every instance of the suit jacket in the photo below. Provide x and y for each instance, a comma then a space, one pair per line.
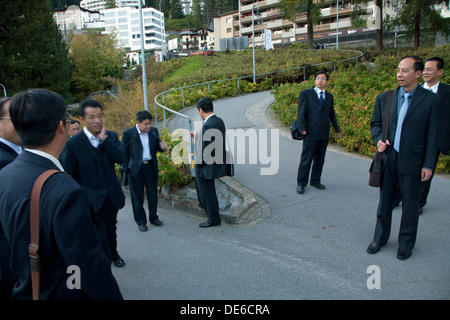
213, 164
443, 106
94, 168
418, 142
313, 118
67, 233
132, 146
7, 155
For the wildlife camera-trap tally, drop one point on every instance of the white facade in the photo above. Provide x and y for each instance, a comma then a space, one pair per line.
187, 6
101, 4
126, 23
74, 17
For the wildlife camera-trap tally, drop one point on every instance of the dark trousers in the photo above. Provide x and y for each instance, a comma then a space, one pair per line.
424, 189
207, 196
145, 178
106, 219
409, 188
313, 152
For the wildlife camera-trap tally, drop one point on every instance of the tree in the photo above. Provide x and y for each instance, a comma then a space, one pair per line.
417, 15
291, 8
96, 57
176, 9
32, 52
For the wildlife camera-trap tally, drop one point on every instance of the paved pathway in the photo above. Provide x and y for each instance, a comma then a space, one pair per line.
311, 246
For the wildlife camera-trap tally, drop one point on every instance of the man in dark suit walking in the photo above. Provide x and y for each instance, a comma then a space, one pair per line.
315, 111
409, 153
67, 235
9, 150
140, 144
433, 70
210, 162
90, 158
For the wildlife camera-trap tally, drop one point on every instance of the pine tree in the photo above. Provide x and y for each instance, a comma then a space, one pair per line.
32, 53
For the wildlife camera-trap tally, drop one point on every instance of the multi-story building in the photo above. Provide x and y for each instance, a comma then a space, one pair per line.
336, 17
125, 22
187, 6
74, 17
101, 4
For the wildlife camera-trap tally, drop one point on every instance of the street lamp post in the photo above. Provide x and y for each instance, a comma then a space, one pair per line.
253, 39
337, 25
144, 75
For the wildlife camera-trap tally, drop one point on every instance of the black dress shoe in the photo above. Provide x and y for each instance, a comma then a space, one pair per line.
420, 211
143, 228
157, 223
317, 185
374, 247
403, 254
119, 263
300, 190
208, 224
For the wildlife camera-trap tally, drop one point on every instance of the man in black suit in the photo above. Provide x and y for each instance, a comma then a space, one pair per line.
9, 150
433, 70
90, 158
409, 153
210, 162
68, 236
315, 111
140, 144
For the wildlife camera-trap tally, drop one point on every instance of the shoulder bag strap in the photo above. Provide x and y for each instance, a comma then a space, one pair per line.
386, 116
33, 249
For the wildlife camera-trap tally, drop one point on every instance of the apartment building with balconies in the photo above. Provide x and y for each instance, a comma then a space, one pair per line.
336, 17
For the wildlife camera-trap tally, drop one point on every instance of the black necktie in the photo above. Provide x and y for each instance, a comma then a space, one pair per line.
322, 100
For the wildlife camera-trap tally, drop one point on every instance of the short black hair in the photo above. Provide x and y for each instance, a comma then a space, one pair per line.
206, 105
440, 62
36, 114
142, 115
321, 72
73, 121
418, 62
89, 103
2, 102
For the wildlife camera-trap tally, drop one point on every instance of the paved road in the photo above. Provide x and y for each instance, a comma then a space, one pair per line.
311, 246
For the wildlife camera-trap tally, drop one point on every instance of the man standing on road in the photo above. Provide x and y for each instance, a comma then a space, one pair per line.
434, 68
211, 163
140, 144
409, 153
90, 158
315, 111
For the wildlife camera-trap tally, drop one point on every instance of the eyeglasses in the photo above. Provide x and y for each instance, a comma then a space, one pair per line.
323, 79
5, 118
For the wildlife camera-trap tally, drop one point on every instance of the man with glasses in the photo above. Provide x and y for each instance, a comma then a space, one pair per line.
315, 111
434, 68
140, 143
9, 150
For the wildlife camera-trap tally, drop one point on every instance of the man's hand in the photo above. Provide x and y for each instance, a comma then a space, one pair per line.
303, 133
381, 146
426, 174
102, 134
163, 145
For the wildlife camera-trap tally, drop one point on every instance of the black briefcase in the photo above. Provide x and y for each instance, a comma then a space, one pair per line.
296, 135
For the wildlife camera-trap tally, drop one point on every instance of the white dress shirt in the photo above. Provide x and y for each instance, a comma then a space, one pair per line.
92, 139
48, 156
433, 88
145, 145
